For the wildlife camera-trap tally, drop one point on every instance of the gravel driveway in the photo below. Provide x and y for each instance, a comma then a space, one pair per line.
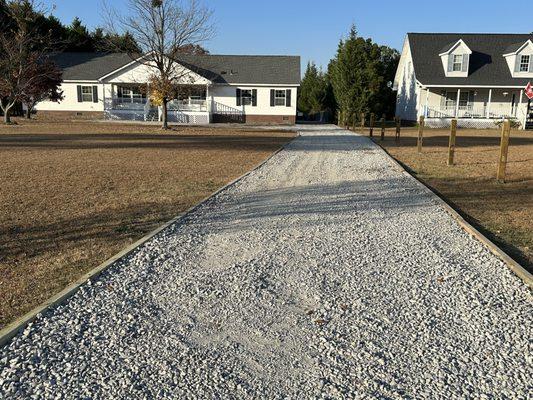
326, 273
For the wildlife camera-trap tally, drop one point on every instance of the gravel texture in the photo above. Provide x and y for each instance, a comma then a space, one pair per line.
326, 273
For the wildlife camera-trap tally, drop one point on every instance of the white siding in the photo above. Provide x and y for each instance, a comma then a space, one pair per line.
226, 96
70, 100
408, 92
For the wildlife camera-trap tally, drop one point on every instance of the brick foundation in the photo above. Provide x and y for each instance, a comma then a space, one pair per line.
271, 119
69, 115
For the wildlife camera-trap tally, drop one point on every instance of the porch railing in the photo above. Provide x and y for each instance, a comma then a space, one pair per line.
494, 111
174, 105
188, 105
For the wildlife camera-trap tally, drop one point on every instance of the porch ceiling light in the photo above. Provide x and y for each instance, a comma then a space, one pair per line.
505, 94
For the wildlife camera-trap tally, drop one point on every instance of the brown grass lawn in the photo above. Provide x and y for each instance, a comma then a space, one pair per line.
503, 212
74, 194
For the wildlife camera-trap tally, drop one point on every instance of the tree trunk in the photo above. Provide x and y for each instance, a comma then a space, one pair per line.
7, 116
165, 115
28, 112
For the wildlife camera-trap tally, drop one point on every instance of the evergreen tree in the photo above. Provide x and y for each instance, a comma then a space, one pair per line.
359, 74
315, 94
78, 37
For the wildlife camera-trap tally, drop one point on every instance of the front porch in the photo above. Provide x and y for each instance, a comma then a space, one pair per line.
129, 101
475, 107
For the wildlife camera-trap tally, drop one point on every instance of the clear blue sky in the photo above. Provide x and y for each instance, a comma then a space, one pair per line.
312, 28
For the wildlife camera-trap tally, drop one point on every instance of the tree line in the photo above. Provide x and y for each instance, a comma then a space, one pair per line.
358, 80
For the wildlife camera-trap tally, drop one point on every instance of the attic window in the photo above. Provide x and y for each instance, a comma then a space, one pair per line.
457, 65
223, 72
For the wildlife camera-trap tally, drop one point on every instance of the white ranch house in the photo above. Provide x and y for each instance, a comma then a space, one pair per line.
477, 78
215, 88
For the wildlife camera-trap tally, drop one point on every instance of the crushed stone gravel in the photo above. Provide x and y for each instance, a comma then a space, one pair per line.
325, 273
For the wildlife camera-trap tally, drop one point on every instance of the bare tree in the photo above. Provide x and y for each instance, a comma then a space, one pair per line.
163, 29
26, 72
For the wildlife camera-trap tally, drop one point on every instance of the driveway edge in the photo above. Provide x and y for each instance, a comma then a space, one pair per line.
514, 266
13, 328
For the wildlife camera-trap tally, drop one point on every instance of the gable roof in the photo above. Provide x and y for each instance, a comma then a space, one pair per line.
516, 47
451, 46
233, 69
487, 63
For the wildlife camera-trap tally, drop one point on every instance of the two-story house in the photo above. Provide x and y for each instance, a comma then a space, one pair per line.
477, 78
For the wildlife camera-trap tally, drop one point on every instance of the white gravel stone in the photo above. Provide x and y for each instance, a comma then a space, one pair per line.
326, 273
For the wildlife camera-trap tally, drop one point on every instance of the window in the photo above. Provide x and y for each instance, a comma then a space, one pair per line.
279, 97
524, 63
457, 64
87, 94
246, 97
131, 94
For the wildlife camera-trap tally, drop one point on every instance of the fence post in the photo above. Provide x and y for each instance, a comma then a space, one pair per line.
398, 128
372, 118
363, 116
504, 149
420, 134
451, 145
383, 127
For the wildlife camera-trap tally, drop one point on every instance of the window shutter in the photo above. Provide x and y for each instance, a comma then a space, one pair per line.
288, 98
238, 97
272, 97
254, 97
466, 60
517, 64
531, 63
450, 62
80, 99
95, 94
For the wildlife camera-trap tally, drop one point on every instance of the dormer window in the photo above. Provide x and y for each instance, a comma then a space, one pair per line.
519, 57
456, 59
457, 65
524, 63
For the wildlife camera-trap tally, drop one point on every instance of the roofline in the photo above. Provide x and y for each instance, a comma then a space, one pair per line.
469, 33
454, 46
123, 67
529, 41
256, 84
81, 80
213, 83
472, 86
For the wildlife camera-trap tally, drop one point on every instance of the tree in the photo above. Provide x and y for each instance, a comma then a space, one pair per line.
162, 29
359, 75
78, 37
45, 85
313, 93
24, 64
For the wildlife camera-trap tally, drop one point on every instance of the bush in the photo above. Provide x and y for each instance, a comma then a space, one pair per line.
515, 124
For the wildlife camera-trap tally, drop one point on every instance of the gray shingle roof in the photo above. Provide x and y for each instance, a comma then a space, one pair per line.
487, 64
217, 68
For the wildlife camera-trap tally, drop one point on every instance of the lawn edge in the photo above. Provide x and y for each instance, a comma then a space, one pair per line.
12, 329
513, 265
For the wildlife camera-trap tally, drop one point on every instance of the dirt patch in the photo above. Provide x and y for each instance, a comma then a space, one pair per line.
74, 194
502, 211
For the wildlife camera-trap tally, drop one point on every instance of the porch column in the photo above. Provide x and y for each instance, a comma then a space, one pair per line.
488, 103
457, 103
426, 105
103, 97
